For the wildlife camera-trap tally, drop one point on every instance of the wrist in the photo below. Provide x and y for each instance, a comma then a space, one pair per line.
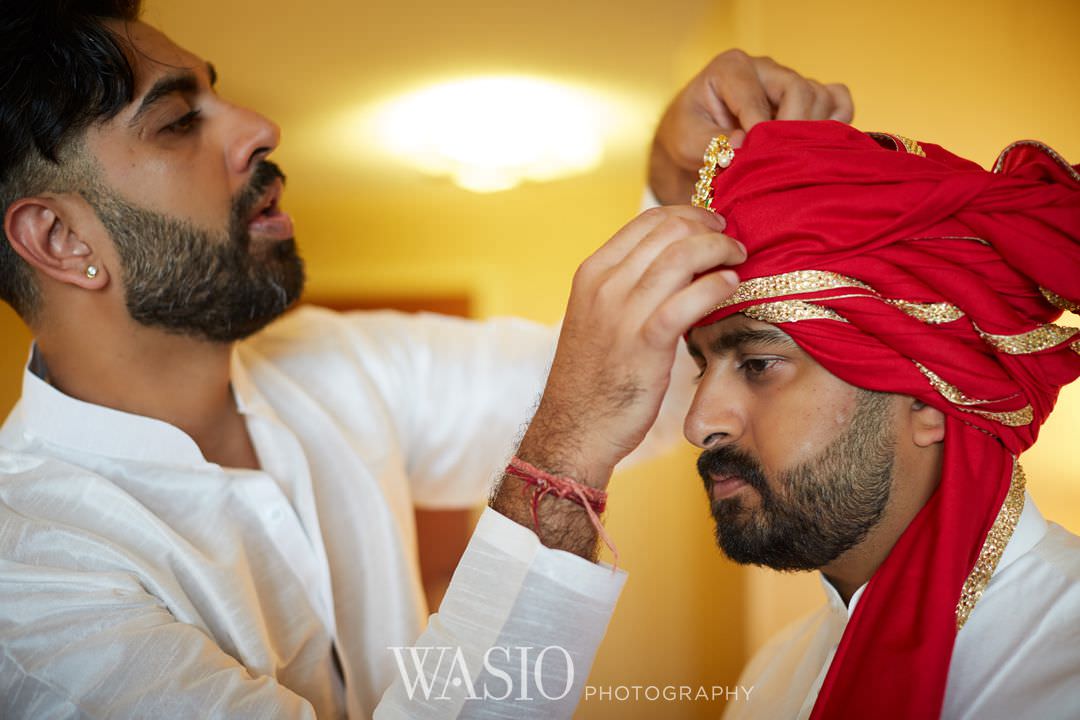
566, 457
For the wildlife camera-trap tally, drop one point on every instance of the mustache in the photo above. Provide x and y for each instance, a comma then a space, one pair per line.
732, 462
264, 175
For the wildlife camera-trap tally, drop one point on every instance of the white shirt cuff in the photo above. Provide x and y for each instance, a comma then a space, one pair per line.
509, 596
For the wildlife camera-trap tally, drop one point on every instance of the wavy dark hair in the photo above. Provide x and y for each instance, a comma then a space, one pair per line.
61, 70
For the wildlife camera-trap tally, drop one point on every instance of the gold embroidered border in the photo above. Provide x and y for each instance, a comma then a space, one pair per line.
1042, 338
795, 310
1009, 418
909, 145
1059, 302
996, 540
929, 313
718, 155
949, 391
789, 311
799, 281
1054, 155
805, 281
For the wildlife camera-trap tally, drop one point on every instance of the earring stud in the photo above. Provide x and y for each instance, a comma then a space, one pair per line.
91, 271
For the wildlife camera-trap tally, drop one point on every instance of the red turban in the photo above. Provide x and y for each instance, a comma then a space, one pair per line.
903, 268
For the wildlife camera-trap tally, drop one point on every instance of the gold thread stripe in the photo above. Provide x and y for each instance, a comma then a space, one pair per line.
789, 311
1033, 341
993, 547
799, 281
950, 392
930, 313
1059, 302
1008, 418
911, 146
1054, 155
805, 281
908, 144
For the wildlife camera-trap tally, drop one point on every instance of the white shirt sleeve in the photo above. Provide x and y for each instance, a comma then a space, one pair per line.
97, 645
460, 392
519, 627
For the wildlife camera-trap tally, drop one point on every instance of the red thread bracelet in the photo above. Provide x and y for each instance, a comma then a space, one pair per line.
542, 483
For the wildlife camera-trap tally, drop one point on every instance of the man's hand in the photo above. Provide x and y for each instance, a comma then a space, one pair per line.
630, 303
731, 95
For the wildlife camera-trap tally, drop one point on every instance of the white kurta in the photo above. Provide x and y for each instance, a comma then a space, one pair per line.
1017, 656
139, 580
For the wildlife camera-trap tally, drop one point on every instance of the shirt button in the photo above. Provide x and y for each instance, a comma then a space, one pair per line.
275, 515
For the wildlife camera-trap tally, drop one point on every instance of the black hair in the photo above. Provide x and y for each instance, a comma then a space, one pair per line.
61, 70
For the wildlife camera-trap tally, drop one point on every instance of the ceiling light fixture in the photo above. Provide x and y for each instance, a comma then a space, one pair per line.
491, 133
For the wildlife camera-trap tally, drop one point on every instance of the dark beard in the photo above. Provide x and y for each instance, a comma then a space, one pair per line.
823, 507
188, 281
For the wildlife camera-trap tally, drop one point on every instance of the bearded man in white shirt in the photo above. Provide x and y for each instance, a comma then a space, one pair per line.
863, 398
191, 527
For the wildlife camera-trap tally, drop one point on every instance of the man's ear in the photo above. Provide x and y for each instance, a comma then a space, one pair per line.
45, 231
927, 424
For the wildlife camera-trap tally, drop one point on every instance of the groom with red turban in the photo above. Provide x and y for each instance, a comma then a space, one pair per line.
865, 393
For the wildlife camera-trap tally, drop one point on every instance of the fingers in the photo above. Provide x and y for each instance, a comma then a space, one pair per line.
731, 95
675, 270
661, 253
674, 240
666, 262
644, 225
675, 266
727, 95
677, 314
736, 88
843, 105
798, 98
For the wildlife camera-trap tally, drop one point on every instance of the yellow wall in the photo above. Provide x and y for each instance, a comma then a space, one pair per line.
14, 347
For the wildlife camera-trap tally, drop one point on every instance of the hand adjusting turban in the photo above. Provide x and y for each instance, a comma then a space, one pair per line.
903, 268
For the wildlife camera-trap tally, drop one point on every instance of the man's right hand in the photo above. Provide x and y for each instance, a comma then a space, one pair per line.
730, 95
630, 303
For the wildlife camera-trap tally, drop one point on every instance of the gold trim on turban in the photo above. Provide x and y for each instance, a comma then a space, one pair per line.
1054, 155
930, 313
994, 545
1033, 341
789, 311
1009, 418
1059, 302
791, 283
807, 281
770, 310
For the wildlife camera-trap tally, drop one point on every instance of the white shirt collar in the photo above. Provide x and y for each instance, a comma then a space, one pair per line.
47, 414
1030, 529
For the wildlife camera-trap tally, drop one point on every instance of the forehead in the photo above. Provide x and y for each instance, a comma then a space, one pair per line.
153, 54
735, 327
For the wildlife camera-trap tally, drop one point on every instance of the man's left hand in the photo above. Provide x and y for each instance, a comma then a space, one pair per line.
732, 94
